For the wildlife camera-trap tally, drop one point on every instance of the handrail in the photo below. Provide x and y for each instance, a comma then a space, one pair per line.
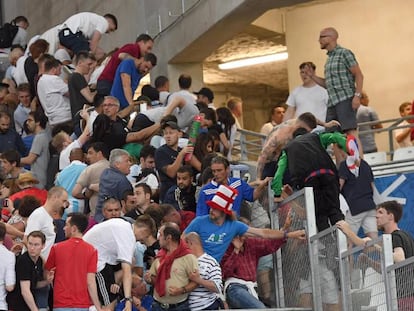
250, 143
389, 130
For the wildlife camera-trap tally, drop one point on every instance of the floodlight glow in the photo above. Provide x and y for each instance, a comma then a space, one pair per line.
254, 61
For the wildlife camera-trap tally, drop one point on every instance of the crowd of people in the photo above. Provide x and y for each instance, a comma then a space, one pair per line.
98, 186
107, 199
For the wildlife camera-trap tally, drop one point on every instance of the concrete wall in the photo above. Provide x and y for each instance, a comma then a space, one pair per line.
44, 14
379, 32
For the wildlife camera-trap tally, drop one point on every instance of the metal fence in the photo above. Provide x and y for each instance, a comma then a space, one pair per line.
403, 288
292, 261
362, 283
327, 273
248, 145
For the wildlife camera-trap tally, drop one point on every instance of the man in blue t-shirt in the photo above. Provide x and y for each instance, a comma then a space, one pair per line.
126, 81
220, 167
219, 227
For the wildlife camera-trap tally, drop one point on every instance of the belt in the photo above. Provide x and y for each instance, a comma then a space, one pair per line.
322, 171
167, 306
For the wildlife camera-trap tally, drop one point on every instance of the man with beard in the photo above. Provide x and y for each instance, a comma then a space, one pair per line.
182, 195
9, 138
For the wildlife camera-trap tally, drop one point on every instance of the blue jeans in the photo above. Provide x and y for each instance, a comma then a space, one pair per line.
238, 297
42, 297
181, 307
70, 309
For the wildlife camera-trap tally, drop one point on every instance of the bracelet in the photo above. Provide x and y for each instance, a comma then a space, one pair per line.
285, 233
129, 299
184, 290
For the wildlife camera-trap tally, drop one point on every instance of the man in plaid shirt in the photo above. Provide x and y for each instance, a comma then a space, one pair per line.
343, 81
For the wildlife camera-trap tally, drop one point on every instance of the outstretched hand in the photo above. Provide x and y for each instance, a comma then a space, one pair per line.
298, 234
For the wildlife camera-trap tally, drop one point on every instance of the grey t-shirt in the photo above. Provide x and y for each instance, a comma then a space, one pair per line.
40, 147
367, 114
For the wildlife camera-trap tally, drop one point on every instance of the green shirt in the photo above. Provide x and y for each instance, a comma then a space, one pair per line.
339, 80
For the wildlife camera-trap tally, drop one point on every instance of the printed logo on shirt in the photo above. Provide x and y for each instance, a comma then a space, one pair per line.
216, 238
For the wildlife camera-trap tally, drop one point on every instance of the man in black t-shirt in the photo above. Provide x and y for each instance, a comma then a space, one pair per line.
29, 274
388, 215
79, 92
169, 157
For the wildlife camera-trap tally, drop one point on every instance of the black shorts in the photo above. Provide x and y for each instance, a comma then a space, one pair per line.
104, 279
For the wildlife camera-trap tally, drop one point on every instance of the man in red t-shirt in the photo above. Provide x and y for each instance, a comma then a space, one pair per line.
143, 45
74, 262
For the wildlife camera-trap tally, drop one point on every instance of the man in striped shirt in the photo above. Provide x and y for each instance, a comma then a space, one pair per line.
206, 296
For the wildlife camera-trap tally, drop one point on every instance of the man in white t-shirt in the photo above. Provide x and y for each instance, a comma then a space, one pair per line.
7, 272
21, 35
309, 97
403, 135
42, 218
64, 145
115, 240
53, 94
184, 82
83, 31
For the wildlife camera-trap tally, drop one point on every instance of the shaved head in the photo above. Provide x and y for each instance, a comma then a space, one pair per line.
331, 31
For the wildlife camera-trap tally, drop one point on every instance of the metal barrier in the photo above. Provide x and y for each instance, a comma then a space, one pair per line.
326, 271
394, 125
403, 272
249, 145
362, 282
292, 262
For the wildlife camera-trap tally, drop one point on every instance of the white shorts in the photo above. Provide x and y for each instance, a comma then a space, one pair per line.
328, 285
367, 220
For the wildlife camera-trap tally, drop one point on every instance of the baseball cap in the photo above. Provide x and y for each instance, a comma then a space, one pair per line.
206, 92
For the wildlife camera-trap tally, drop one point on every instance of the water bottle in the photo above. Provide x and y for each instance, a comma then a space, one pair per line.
195, 128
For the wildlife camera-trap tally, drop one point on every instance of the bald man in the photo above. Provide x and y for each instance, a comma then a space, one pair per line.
69, 175
343, 81
206, 296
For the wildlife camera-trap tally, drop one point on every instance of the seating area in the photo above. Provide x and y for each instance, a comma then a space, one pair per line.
374, 158
405, 153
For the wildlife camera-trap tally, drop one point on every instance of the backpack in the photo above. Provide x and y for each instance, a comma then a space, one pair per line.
7, 33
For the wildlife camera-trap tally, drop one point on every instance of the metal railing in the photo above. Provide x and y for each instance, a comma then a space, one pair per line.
394, 125
363, 285
249, 144
325, 270
292, 262
162, 20
403, 272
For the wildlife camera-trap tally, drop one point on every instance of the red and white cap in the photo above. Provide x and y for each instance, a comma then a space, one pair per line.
223, 199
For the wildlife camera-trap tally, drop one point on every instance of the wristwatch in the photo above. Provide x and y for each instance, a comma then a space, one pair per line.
358, 94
